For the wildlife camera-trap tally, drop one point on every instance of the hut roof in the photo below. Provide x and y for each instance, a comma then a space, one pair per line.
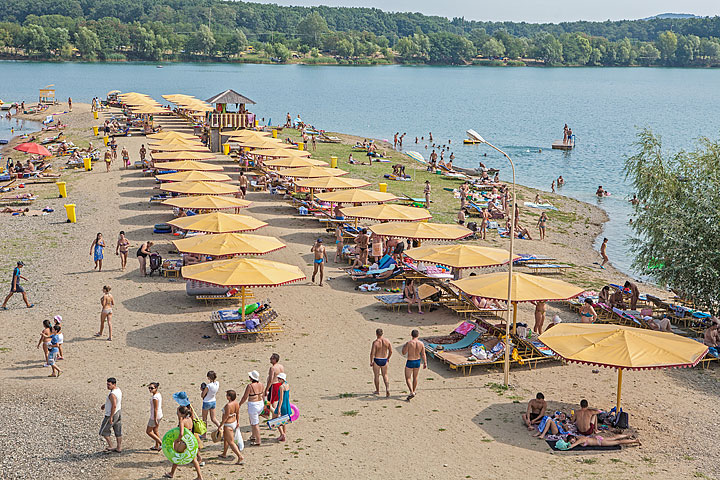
229, 96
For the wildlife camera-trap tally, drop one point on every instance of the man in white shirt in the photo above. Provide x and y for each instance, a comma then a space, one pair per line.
112, 419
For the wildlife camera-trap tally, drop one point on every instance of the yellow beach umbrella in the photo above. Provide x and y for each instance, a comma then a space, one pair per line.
460, 256
217, 222
283, 153
294, 162
246, 134
190, 165
148, 110
525, 288
356, 196
243, 273
171, 134
207, 202
384, 213
193, 176
182, 155
222, 244
421, 230
200, 188
175, 140
623, 348
332, 183
264, 143
311, 172
180, 148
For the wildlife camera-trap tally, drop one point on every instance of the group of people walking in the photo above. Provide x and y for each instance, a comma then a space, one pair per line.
269, 399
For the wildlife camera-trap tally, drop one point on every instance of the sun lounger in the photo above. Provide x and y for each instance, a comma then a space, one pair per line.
529, 259
232, 328
549, 268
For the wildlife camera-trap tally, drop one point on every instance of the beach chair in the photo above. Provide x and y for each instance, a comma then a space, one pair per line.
547, 268
231, 327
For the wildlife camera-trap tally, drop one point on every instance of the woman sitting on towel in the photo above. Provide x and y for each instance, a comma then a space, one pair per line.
556, 425
596, 441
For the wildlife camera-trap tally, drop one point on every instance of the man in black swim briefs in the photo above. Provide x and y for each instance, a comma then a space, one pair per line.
535, 411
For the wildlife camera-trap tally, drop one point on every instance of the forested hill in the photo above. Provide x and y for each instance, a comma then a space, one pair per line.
168, 29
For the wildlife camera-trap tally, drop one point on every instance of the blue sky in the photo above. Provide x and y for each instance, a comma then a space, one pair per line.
529, 10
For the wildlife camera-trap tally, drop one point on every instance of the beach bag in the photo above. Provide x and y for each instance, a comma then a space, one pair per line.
622, 421
199, 426
250, 324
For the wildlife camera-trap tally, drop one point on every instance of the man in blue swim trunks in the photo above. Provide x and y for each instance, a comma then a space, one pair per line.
380, 354
320, 258
415, 351
15, 287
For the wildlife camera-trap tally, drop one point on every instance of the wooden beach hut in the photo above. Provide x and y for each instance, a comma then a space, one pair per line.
223, 117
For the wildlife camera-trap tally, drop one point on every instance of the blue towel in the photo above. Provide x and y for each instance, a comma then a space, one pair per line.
229, 314
385, 262
464, 342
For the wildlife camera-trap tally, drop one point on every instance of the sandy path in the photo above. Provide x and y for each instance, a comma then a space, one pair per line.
457, 427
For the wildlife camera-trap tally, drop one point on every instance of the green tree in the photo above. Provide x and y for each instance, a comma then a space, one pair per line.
448, 48
35, 40
87, 43
236, 43
345, 48
710, 50
667, 44
282, 52
550, 50
58, 38
648, 54
576, 49
312, 28
204, 41
688, 47
683, 252
492, 48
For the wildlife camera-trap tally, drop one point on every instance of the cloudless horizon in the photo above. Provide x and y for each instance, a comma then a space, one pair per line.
532, 11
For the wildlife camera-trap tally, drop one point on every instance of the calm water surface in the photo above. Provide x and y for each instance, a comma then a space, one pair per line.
521, 110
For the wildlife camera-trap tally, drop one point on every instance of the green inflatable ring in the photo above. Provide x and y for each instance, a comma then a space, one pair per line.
189, 453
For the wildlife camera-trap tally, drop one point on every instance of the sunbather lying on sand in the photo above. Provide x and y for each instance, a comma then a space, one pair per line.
14, 210
596, 441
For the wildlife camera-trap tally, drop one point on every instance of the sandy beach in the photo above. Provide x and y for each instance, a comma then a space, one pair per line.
457, 426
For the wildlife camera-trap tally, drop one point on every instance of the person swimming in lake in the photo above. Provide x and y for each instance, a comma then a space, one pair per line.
600, 192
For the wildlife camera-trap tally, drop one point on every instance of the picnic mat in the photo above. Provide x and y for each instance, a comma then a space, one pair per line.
580, 448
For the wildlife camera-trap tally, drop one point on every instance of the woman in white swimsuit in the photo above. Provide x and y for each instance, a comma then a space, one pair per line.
253, 395
232, 437
107, 303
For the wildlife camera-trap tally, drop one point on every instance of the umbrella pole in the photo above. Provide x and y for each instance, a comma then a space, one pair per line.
617, 405
514, 318
242, 299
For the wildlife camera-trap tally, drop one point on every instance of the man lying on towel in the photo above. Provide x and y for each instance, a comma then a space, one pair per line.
586, 419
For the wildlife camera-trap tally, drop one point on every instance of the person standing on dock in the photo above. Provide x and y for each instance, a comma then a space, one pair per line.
565, 134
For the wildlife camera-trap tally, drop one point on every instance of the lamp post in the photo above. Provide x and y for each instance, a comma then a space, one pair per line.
473, 134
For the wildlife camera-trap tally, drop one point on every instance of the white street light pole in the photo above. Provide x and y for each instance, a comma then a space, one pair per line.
473, 134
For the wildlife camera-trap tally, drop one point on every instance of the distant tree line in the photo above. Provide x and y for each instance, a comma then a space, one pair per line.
216, 30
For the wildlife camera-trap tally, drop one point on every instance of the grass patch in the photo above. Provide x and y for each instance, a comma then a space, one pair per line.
588, 461
4, 349
498, 388
350, 413
701, 475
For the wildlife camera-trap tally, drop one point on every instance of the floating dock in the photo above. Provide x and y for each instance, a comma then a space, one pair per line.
560, 145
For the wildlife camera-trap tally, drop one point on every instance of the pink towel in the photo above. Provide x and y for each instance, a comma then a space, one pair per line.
464, 328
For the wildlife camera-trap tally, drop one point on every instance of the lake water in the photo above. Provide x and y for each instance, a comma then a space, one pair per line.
520, 110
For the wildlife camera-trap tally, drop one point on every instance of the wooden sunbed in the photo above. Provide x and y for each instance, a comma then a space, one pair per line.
221, 297
234, 329
547, 268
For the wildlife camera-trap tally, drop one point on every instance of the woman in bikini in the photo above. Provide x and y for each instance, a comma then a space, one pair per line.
107, 301
253, 395
410, 295
599, 441
232, 437
45, 339
555, 425
122, 248
96, 250
541, 225
185, 421
587, 312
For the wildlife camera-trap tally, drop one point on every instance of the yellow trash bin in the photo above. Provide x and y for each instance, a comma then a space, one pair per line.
333, 162
95, 130
62, 188
301, 146
256, 123
383, 187
226, 149
274, 133
95, 116
87, 162
106, 140
70, 209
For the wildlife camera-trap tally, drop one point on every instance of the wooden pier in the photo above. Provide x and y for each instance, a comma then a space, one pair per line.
560, 145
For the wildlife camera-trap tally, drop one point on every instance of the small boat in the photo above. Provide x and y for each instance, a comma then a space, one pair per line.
470, 141
158, 66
